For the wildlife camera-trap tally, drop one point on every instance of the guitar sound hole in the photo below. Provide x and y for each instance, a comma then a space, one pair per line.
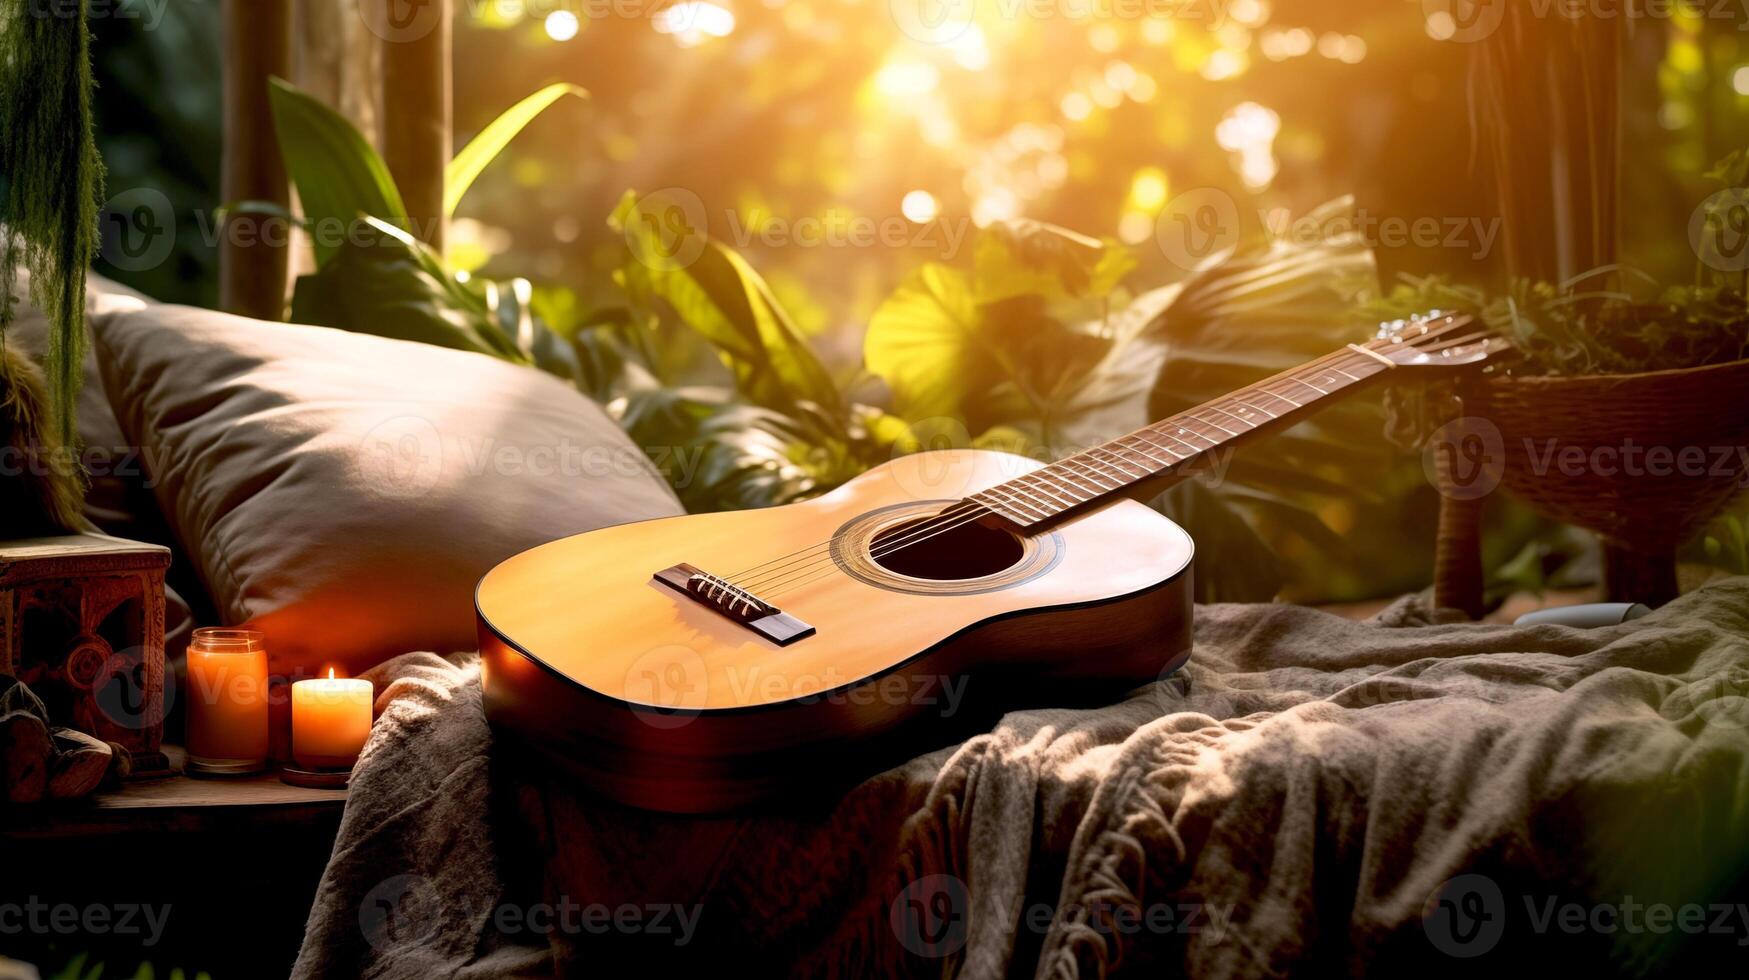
968, 551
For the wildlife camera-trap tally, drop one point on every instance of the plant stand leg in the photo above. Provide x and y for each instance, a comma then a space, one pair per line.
1457, 561
1638, 576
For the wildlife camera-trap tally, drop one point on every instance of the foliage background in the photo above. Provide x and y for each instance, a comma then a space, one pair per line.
825, 110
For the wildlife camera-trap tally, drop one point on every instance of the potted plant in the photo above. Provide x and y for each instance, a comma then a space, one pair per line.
1623, 416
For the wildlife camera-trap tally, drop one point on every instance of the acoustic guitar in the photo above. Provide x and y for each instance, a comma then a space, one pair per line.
702, 663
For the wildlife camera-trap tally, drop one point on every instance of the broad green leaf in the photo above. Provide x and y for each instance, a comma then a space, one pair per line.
716, 293
1112, 399
383, 282
924, 340
337, 174
474, 158
1032, 258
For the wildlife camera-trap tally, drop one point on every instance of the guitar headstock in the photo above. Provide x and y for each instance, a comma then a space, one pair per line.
1439, 340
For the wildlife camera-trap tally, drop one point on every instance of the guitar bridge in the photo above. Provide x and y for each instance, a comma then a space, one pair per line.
734, 603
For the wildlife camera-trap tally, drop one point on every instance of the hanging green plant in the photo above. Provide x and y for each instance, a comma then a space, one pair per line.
52, 177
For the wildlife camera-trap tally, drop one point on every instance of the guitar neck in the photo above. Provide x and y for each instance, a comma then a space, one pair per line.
1151, 458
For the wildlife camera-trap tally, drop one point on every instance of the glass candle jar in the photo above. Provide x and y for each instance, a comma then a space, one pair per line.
226, 698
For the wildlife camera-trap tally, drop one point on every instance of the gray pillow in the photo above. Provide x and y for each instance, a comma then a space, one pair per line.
345, 492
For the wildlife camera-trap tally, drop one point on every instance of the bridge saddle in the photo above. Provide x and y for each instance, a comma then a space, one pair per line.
733, 600
734, 603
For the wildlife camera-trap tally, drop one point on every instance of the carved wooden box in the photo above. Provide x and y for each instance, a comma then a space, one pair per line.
82, 623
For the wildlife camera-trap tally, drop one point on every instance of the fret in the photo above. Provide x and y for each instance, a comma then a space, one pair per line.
1027, 513
1155, 429
1266, 414
1016, 499
1121, 462
1175, 421
1093, 474
1123, 478
1032, 482
1121, 475
1044, 485
1241, 421
1206, 422
1280, 397
1118, 446
991, 503
1132, 437
1140, 436
1164, 447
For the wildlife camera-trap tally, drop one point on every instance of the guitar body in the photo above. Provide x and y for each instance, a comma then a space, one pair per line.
655, 698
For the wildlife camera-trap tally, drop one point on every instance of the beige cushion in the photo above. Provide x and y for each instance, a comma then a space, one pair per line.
345, 492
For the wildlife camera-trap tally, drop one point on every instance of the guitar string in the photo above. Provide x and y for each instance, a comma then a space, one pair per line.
953, 518
790, 582
741, 575
1439, 340
800, 576
945, 523
945, 516
1433, 337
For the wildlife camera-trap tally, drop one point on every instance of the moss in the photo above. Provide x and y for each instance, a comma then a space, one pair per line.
52, 179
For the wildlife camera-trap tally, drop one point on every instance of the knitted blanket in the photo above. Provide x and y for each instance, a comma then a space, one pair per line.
1309, 794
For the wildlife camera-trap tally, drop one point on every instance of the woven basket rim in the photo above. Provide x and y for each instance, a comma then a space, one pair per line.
1706, 370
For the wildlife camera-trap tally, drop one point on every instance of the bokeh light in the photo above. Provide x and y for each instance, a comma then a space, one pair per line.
562, 25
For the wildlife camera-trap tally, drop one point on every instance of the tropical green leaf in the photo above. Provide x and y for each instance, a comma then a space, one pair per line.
474, 158
1032, 258
1111, 398
925, 341
716, 452
337, 174
383, 282
719, 295
513, 309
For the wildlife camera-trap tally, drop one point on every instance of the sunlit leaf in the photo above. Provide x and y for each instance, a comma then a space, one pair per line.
337, 174
474, 158
925, 340
719, 295
1032, 258
383, 282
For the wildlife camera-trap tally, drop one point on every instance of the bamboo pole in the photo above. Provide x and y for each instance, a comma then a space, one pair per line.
336, 58
417, 114
1548, 104
253, 249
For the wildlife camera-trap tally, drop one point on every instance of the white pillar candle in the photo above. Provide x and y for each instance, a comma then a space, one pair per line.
330, 721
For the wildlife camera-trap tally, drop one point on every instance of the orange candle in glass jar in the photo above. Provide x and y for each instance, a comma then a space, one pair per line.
226, 700
330, 721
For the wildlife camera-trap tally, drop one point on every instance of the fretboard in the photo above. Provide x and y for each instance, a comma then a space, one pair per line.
1153, 456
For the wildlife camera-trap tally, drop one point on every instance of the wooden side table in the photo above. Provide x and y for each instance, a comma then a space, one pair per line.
82, 623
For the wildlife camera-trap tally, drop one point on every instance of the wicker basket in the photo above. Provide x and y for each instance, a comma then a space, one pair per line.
1643, 460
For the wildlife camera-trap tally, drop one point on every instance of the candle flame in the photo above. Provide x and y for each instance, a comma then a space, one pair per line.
330, 673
